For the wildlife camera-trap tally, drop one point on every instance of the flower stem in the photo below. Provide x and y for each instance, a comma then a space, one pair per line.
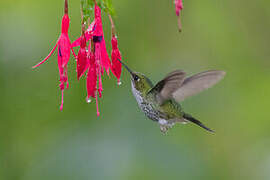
66, 7
83, 28
112, 24
83, 16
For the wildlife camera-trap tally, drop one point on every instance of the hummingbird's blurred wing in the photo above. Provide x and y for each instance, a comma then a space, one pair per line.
164, 89
197, 83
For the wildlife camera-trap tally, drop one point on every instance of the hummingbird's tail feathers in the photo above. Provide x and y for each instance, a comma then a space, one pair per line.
195, 121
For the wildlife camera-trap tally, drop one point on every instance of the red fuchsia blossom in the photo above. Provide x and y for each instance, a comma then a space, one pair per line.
91, 81
97, 59
178, 8
101, 54
64, 46
82, 56
115, 55
102, 60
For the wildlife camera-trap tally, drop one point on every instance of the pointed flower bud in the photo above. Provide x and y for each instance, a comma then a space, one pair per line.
116, 56
178, 8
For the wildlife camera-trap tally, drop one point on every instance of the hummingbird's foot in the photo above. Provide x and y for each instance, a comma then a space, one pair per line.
164, 129
165, 125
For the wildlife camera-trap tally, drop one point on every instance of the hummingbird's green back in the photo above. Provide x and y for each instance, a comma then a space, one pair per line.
170, 108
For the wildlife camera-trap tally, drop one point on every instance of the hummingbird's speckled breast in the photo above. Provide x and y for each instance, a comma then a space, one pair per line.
145, 106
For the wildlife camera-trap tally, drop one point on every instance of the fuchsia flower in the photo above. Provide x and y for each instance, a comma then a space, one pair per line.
101, 54
178, 8
64, 46
82, 56
91, 81
115, 55
98, 58
95, 60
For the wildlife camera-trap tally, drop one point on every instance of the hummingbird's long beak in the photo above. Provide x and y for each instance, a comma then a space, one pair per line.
127, 68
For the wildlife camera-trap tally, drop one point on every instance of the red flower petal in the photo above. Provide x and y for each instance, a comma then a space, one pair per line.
43, 61
178, 6
99, 41
82, 58
65, 24
116, 56
91, 80
105, 60
64, 49
98, 30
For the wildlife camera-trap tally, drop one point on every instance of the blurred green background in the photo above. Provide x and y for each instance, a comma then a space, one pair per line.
38, 142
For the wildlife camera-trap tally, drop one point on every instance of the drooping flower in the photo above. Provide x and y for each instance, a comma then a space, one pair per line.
101, 57
93, 61
178, 8
91, 80
115, 55
101, 54
64, 46
82, 55
97, 59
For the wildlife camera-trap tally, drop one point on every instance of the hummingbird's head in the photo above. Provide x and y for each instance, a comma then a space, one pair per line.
139, 81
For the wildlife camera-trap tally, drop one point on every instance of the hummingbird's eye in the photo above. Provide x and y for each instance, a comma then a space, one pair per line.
136, 78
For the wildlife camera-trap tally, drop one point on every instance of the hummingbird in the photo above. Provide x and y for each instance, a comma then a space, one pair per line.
159, 102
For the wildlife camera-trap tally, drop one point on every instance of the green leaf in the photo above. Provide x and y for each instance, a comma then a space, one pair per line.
87, 8
108, 7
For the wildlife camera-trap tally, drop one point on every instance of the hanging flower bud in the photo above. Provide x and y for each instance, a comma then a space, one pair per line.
178, 8
115, 55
